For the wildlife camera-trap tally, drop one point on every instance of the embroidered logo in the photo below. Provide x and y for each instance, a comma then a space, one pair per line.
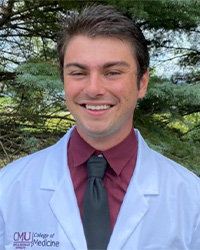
22, 240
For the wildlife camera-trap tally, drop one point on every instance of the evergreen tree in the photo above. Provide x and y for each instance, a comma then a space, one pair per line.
32, 108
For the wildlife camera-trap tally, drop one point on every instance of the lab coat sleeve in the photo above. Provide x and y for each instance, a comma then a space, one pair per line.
195, 242
1, 232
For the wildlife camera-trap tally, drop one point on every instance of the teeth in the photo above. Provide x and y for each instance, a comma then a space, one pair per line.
98, 107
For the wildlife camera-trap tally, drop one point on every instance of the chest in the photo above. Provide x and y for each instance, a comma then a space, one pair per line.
51, 220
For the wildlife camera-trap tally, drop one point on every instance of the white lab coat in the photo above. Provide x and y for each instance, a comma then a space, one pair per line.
38, 207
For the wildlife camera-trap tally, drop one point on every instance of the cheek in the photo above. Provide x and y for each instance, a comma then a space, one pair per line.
68, 94
129, 99
70, 89
126, 94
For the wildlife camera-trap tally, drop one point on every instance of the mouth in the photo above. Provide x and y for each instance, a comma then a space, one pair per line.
97, 107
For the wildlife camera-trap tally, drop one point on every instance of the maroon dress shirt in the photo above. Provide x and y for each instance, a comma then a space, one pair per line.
121, 159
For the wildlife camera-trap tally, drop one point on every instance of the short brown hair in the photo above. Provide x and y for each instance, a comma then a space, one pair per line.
104, 20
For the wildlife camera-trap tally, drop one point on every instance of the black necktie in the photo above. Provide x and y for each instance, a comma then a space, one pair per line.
96, 217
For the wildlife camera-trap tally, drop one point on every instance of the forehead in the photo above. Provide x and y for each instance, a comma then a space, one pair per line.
98, 50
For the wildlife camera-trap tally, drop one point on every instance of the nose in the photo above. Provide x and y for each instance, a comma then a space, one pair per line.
94, 86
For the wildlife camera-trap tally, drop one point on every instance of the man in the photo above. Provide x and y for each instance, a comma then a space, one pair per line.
153, 202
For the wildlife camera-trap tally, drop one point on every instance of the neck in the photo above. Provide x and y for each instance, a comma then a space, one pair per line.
103, 143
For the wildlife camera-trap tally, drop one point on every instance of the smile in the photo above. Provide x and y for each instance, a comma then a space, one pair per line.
97, 107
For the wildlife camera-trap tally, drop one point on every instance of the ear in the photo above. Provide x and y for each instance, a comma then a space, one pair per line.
143, 84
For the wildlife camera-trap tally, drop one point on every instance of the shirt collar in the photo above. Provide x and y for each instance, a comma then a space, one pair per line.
117, 156
81, 150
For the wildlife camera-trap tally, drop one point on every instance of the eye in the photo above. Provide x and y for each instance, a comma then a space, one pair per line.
77, 73
113, 73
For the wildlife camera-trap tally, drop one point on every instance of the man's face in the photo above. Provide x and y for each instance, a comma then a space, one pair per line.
100, 82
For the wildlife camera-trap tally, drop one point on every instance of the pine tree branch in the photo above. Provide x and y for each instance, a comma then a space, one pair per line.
171, 58
7, 12
6, 76
192, 129
194, 111
65, 117
181, 48
5, 151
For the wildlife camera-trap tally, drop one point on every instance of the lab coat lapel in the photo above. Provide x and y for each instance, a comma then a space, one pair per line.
144, 183
56, 177
65, 209
133, 209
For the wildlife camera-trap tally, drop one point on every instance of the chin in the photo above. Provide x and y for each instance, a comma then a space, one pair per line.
95, 132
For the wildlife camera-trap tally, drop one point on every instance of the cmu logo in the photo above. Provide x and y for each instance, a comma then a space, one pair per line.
22, 240
22, 237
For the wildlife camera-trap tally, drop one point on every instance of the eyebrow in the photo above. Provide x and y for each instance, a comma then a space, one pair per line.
79, 65
117, 63
104, 66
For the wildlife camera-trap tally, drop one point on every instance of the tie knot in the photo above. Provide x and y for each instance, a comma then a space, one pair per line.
96, 166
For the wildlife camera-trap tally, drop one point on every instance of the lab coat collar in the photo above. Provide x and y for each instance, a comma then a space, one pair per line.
56, 177
55, 167
135, 205
143, 184
146, 170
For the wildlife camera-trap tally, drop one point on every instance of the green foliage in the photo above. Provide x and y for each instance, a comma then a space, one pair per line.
38, 74
169, 119
162, 14
164, 96
34, 114
167, 142
32, 106
38, 89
